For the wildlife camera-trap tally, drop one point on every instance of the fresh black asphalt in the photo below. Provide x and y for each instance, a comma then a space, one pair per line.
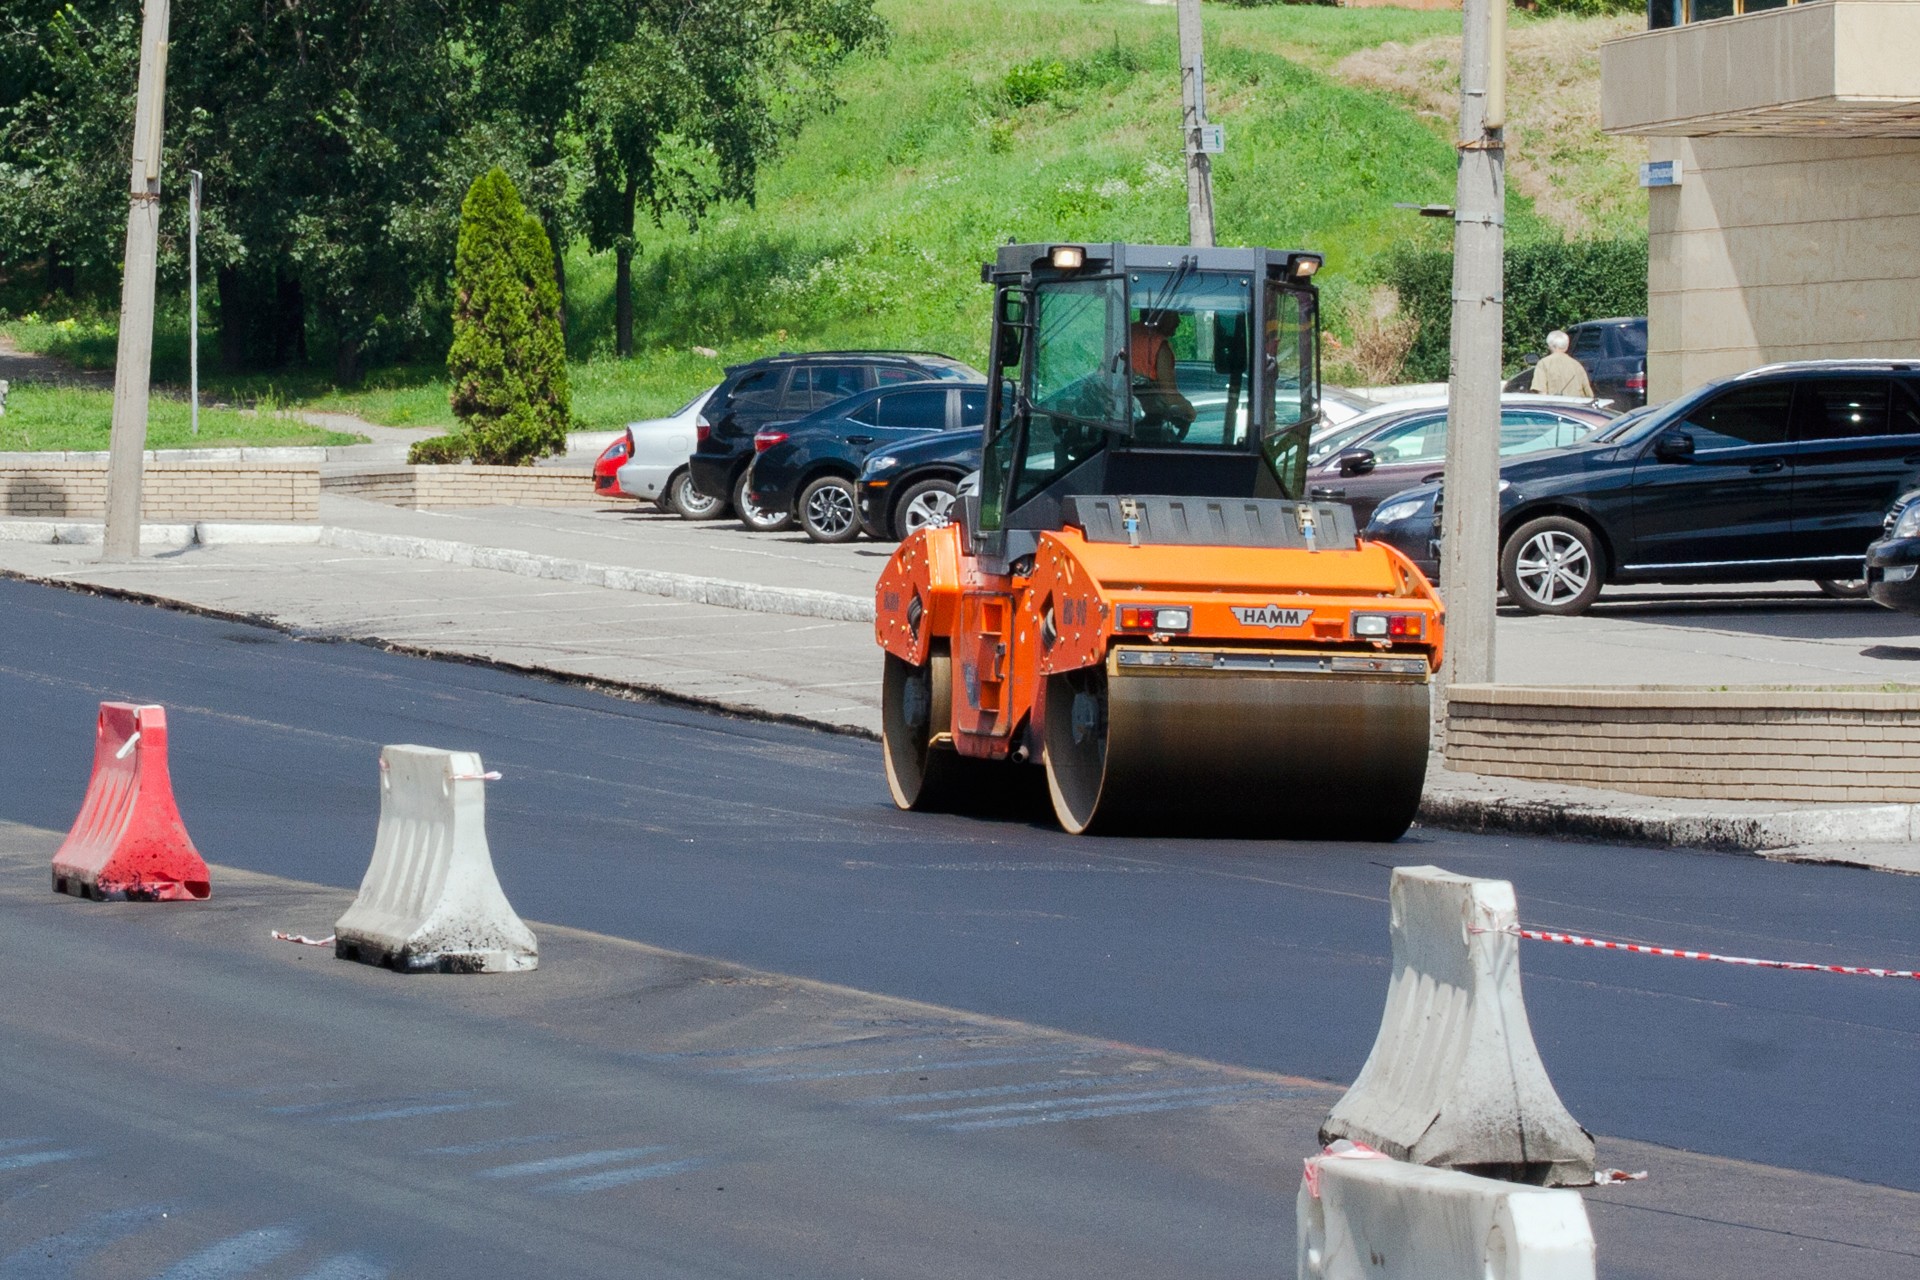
777, 847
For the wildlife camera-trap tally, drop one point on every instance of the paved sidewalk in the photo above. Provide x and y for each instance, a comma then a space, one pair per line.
775, 625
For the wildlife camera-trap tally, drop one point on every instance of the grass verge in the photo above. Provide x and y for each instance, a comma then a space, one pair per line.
44, 418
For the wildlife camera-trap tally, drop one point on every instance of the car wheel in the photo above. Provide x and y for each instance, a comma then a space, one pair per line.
1553, 565
1842, 588
829, 510
926, 505
688, 502
752, 516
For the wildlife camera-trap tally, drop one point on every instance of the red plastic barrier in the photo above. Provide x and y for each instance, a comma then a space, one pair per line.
128, 841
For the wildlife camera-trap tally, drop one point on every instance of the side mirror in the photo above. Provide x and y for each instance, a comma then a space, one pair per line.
1357, 462
1531, 359
1673, 446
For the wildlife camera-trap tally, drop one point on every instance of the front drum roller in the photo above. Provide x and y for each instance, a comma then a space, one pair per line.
924, 772
1273, 755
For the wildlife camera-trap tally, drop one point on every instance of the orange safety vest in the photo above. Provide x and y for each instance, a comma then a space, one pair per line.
1144, 347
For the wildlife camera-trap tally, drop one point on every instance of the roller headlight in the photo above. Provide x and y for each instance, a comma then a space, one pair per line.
1395, 512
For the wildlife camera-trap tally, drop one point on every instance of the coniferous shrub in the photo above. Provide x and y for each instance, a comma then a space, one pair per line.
508, 363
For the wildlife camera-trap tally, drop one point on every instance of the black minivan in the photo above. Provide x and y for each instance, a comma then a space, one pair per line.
1781, 472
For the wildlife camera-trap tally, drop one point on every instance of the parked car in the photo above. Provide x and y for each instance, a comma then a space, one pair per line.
1338, 405
1614, 352
1782, 472
1892, 562
781, 389
906, 487
655, 465
606, 467
812, 467
1383, 452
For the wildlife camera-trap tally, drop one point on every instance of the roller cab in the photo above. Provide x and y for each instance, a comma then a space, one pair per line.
1139, 600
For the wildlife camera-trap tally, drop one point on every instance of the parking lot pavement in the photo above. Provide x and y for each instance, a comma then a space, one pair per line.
207, 1101
633, 535
1770, 633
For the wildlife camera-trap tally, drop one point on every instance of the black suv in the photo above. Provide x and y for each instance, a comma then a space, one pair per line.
784, 387
809, 467
1782, 472
1614, 352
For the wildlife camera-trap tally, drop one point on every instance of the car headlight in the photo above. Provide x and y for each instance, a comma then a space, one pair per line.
1908, 525
880, 463
1395, 512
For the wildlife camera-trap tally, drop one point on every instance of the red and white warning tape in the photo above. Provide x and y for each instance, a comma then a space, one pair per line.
1575, 940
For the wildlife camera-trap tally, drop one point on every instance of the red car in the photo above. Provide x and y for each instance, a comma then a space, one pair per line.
606, 468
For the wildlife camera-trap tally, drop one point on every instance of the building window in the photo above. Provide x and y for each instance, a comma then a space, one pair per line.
1669, 13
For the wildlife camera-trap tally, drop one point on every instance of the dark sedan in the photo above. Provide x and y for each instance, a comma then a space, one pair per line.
811, 467
1893, 563
907, 487
1782, 472
1383, 452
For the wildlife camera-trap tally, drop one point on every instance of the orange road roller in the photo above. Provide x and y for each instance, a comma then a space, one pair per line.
1140, 598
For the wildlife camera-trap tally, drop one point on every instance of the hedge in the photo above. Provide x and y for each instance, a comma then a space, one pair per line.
1550, 285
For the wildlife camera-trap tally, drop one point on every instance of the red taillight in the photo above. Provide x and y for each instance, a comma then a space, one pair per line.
1155, 617
1637, 381
701, 430
766, 439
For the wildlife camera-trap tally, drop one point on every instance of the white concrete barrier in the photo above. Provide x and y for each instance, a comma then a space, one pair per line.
1378, 1219
430, 900
1454, 1078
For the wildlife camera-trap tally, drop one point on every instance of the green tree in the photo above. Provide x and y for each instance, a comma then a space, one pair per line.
508, 361
694, 102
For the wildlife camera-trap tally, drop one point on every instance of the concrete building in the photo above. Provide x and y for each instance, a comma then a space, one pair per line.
1792, 231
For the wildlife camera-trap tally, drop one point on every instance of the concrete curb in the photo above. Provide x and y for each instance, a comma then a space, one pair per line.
1797, 834
725, 593
203, 533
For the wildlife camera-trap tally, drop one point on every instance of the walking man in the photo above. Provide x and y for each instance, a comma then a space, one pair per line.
1559, 374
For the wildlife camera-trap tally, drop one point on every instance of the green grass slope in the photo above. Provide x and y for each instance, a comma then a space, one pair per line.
980, 121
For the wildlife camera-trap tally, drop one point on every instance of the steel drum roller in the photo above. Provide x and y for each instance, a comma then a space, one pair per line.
1276, 754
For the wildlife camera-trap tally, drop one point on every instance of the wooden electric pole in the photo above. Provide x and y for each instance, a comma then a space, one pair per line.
1193, 117
1469, 564
132, 369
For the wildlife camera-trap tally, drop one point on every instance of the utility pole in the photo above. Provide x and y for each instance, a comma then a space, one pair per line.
1193, 118
194, 178
133, 366
1469, 567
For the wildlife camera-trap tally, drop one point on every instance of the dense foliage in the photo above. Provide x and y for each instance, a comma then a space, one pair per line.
507, 368
1550, 285
337, 137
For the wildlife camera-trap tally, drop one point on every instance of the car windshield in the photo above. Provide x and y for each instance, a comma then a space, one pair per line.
1625, 425
1333, 441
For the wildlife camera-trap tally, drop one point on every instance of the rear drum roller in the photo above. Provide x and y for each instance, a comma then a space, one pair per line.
1252, 753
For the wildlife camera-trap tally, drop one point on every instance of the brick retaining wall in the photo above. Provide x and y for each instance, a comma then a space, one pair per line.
284, 493
462, 485
1735, 744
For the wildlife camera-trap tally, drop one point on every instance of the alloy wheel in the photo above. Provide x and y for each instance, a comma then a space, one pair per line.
1553, 567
